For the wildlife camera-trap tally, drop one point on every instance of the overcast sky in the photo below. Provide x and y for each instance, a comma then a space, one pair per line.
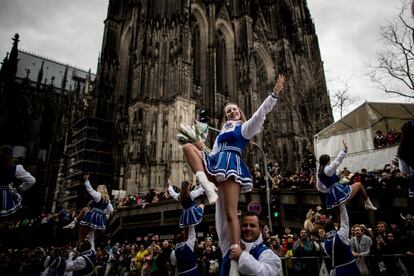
71, 32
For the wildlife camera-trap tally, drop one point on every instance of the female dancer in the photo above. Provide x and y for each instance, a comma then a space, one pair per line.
406, 154
11, 199
190, 214
328, 182
225, 167
93, 218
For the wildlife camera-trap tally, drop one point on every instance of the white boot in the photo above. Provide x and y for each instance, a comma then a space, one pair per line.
70, 225
369, 205
234, 271
209, 188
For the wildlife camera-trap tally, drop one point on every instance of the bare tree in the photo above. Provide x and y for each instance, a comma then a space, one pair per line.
341, 98
393, 70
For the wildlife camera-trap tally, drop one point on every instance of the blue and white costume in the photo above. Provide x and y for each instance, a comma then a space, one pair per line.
95, 217
225, 161
338, 247
83, 265
190, 214
256, 259
183, 255
10, 199
328, 182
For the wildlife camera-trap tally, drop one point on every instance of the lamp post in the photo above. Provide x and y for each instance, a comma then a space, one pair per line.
267, 177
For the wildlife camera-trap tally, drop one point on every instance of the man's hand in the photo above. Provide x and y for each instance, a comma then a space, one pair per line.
235, 253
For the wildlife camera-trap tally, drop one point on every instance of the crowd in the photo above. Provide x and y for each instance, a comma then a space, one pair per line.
382, 250
391, 137
390, 178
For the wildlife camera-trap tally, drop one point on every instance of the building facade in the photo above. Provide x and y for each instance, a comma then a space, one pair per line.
39, 99
164, 62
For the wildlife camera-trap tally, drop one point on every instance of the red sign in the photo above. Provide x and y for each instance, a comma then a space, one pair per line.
254, 206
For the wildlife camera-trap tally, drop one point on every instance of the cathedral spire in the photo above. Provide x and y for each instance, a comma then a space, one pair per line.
12, 64
40, 75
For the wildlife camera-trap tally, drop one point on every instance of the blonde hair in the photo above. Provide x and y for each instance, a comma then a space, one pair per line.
104, 192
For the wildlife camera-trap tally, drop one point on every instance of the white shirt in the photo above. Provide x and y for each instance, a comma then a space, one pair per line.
27, 179
254, 125
97, 197
190, 243
268, 264
329, 170
193, 194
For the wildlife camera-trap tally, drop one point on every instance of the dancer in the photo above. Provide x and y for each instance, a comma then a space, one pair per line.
406, 154
190, 214
11, 199
183, 255
225, 167
328, 182
338, 247
93, 218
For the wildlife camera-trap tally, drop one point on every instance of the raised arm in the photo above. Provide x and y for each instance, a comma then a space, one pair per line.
94, 194
27, 179
331, 168
173, 193
343, 231
196, 192
191, 237
253, 126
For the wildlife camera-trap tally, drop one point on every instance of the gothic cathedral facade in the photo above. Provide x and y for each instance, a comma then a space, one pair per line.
166, 62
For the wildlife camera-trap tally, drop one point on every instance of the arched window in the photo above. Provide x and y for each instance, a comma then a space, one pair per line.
221, 64
196, 55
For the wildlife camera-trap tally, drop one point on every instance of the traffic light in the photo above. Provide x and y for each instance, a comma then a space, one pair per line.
204, 116
274, 203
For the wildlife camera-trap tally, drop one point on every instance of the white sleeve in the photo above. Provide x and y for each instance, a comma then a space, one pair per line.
27, 179
191, 238
321, 187
173, 193
253, 126
76, 265
343, 231
46, 262
173, 258
196, 192
95, 195
269, 264
109, 209
331, 168
404, 167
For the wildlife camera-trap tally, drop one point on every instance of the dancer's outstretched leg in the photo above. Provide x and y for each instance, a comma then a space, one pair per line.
195, 161
359, 188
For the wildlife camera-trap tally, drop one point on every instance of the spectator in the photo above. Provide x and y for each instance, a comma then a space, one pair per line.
361, 245
379, 140
303, 247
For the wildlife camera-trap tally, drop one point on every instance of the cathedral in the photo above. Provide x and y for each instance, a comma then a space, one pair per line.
166, 62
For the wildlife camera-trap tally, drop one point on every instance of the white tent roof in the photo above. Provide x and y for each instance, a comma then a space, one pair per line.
379, 116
